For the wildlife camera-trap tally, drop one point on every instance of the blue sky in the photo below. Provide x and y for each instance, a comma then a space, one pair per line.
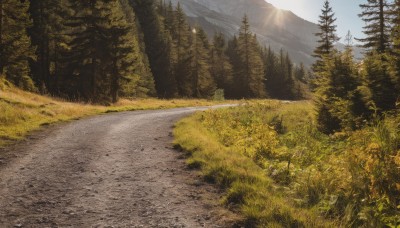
346, 12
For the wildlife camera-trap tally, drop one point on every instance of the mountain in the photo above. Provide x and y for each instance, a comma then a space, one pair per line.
274, 27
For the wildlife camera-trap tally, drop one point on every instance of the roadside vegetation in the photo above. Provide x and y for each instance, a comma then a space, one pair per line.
279, 170
22, 112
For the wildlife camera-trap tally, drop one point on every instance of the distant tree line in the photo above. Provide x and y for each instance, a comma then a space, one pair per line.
349, 93
99, 50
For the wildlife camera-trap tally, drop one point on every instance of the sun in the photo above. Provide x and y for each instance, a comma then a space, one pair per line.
276, 17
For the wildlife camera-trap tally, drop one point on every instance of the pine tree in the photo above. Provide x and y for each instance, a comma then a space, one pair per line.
103, 52
251, 74
233, 91
143, 85
181, 34
396, 46
159, 47
48, 34
375, 13
327, 36
272, 78
339, 102
378, 77
203, 83
378, 81
15, 46
221, 69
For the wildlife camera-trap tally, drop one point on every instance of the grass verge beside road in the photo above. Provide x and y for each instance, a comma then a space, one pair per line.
22, 112
227, 159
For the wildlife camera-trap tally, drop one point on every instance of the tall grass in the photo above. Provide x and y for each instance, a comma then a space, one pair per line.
232, 147
349, 178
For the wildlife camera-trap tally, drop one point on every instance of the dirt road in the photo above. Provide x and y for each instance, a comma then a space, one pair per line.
116, 170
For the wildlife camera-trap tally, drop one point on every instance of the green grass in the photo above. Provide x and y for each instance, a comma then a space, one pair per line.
247, 187
278, 170
22, 112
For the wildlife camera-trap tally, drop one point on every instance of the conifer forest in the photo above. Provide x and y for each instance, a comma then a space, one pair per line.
98, 51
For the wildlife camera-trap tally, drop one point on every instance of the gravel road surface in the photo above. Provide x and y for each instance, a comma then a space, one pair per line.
116, 170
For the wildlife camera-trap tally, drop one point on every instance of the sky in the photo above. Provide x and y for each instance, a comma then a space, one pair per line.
346, 12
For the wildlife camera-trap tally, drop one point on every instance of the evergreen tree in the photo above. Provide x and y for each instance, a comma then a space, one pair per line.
159, 48
232, 52
271, 72
15, 46
203, 83
327, 36
220, 67
103, 52
375, 13
378, 82
144, 85
251, 74
339, 102
49, 36
300, 73
396, 45
181, 34
378, 77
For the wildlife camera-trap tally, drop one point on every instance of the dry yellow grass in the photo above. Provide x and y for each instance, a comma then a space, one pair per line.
22, 112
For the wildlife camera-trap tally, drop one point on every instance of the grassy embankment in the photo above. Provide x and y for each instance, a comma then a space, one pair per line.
278, 170
22, 112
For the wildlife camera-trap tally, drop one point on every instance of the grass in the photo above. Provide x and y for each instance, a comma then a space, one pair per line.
22, 112
247, 187
278, 170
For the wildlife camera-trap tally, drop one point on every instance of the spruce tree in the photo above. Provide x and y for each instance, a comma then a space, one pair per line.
48, 34
103, 51
181, 34
143, 83
272, 78
221, 69
339, 103
327, 36
251, 74
158, 47
202, 81
15, 46
375, 13
377, 75
396, 45
377, 79
233, 91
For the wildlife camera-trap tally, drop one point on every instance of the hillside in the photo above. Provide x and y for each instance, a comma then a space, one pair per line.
274, 27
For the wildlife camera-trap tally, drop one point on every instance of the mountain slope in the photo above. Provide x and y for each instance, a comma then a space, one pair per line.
274, 27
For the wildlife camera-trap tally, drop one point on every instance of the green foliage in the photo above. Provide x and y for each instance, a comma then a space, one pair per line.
220, 66
327, 36
233, 148
219, 95
377, 79
348, 177
203, 82
16, 49
339, 102
377, 16
250, 74
97, 51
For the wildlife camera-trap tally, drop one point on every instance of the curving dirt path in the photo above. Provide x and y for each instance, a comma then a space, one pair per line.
116, 170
